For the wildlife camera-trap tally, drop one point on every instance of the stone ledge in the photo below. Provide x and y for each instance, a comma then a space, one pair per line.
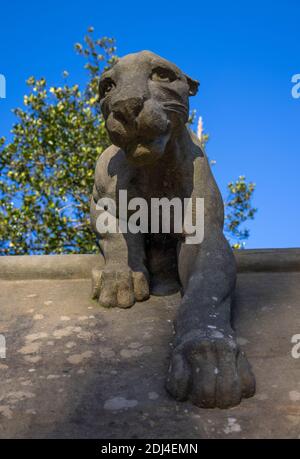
26, 267
76, 370
268, 260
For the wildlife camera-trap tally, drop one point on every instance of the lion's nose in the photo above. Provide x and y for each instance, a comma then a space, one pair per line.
127, 110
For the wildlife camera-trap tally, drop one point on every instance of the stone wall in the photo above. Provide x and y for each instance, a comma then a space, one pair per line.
73, 369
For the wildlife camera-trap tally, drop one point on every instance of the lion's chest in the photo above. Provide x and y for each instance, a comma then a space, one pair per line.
156, 200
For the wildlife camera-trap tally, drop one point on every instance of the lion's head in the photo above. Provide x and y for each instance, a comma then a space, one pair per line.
144, 100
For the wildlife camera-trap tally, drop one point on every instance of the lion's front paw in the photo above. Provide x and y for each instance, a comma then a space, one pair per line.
119, 287
211, 372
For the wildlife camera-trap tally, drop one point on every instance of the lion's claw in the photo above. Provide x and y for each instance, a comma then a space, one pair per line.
210, 372
119, 287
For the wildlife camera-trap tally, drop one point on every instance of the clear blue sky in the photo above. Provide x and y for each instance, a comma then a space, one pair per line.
243, 53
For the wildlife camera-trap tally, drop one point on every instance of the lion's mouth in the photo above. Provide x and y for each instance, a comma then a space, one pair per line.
145, 136
143, 139
142, 151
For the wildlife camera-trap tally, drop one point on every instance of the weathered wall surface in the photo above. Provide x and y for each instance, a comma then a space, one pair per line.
73, 369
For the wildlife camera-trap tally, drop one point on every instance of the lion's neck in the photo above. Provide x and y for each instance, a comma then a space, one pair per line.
175, 154
166, 177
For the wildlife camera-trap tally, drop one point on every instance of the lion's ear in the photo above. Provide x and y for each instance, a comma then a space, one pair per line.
193, 85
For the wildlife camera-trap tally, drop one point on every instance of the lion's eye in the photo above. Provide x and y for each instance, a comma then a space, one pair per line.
163, 75
106, 86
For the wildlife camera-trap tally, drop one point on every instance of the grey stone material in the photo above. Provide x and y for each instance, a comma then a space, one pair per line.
145, 103
78, 266
48, 266
76, 370
268, 260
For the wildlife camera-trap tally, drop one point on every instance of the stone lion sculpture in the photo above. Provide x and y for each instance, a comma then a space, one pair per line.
145, 103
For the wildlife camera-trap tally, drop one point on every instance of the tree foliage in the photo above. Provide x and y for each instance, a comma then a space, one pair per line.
238, 209
238, 202
47, 168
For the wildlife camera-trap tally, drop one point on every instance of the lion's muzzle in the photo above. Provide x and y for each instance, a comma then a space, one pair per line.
141, 128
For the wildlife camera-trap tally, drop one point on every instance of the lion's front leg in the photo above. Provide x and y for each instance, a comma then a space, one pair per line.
207, 365
124, 278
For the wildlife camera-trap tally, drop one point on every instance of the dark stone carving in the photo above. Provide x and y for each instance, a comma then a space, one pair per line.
145, 103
